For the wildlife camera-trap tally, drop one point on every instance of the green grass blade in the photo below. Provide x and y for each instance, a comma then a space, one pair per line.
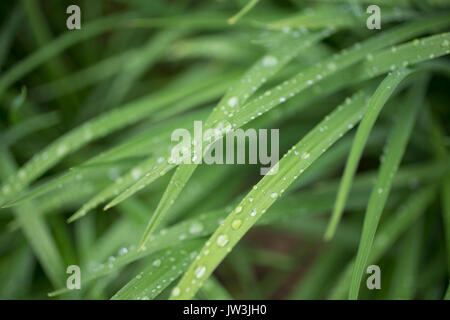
392, 157
243, 11
377, 102
414, 206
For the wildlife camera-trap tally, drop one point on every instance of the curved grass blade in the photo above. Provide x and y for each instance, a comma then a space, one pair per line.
377, 102
267, 191
405, 216
392, 157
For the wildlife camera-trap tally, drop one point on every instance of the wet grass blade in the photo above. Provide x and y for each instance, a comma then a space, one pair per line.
377, 102
395, 148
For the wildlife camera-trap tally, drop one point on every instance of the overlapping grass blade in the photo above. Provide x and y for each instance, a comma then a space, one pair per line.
91, 130
377, 102
237, 95
272, 98
269, 189
395, 148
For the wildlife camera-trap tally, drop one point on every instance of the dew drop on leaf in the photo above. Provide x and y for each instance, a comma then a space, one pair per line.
222, 240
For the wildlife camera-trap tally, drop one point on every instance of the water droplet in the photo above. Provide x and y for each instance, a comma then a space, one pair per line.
61, 150
176, 291
123, 251
238, 209
233, 101
196, 227
236, 224
136, 173
222, 240
253, 212
200, 271
274, 195
156, 263
269, 61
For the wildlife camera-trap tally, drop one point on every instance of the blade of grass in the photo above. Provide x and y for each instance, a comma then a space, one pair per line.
405, 216
250, 4
377, 102
395, 148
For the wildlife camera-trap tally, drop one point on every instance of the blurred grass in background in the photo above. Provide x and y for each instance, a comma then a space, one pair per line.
85, 114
